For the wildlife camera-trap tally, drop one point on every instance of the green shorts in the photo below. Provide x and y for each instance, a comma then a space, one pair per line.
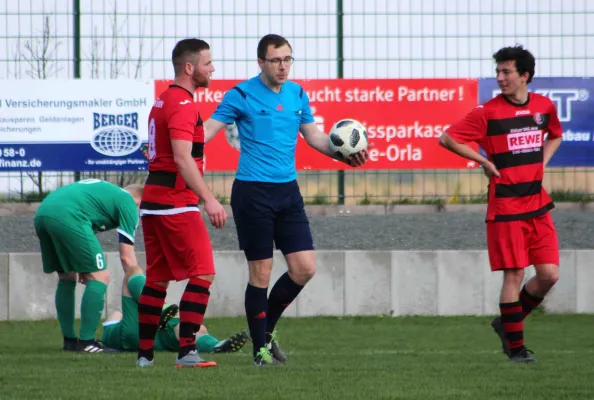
123, 335
166, 339
68, 247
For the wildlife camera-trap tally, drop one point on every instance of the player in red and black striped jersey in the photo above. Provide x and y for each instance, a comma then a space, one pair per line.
519, 132
174, 116
177, 243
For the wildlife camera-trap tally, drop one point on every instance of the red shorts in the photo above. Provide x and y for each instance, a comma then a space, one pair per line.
520, 244
177, 247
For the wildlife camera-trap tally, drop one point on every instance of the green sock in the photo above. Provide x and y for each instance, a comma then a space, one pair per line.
206, 343
91, 309
135, 286
65, 307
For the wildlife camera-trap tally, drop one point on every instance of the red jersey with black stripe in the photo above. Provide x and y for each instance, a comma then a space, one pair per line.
512, 135
174, 116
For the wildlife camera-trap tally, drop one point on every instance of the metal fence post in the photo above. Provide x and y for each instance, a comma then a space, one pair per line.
340, 74
76, 52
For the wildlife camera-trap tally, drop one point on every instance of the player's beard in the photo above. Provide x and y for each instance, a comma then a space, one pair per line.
200, 80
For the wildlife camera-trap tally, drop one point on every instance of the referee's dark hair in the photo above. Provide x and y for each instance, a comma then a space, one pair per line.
185, 50
271, 39
524, 59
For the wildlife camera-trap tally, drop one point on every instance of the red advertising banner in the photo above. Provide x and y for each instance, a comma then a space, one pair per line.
404, 119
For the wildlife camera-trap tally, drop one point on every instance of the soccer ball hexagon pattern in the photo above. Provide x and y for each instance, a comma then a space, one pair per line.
347, 137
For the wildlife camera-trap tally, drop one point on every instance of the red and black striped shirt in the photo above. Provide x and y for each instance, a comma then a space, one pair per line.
174, 115
512, 135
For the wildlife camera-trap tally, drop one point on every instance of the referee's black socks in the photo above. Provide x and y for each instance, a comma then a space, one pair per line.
284, 291
256, 311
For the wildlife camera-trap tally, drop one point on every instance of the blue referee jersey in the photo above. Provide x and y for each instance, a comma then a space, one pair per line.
268, 125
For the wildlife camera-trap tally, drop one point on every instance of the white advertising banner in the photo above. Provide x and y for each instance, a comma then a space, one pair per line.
74, 125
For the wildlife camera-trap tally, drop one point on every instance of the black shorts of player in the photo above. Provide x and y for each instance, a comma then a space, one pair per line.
269, 212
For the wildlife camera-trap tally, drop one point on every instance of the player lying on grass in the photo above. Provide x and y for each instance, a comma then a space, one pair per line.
120, 329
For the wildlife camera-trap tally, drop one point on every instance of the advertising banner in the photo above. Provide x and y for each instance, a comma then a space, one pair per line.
404, 119
575, 107
82, 125
73, 125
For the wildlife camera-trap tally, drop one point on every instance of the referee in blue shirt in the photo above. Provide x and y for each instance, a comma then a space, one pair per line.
267, 205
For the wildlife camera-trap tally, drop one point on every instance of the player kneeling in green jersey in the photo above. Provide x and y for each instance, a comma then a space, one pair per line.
120, 329
66, 223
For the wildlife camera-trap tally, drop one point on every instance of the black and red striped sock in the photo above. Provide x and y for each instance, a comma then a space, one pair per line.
513, 324
529, 301
191, 313
150, 306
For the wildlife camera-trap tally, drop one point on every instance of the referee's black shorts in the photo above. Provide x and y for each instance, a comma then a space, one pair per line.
265, 212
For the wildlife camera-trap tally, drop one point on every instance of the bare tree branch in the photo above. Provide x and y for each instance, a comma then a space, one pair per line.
16, 58
116, 59
40, 55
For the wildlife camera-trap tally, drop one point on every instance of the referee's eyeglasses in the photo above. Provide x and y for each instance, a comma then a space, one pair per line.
277, 61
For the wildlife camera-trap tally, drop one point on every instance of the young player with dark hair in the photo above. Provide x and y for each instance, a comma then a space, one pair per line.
519, 131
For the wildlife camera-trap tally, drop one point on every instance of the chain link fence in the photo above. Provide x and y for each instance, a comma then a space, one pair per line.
109, 39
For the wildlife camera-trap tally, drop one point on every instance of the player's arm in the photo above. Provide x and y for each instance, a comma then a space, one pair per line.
181, 130
226, 113
461, 149
211, 128
317, 139
127, 255
182, 156
554, 137
314, 137
128, 222
470, 129
550, 147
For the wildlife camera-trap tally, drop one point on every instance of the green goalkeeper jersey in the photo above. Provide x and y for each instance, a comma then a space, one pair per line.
105, 205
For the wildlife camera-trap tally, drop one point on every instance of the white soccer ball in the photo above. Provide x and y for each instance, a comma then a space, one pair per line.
232, 135
347, 137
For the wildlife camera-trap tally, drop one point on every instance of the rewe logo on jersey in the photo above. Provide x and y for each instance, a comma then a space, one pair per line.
524, 140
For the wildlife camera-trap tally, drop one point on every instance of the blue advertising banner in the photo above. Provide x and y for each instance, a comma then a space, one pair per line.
74, 125
575, 107
65, 157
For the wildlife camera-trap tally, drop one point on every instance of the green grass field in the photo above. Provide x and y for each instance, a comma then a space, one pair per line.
329, 358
